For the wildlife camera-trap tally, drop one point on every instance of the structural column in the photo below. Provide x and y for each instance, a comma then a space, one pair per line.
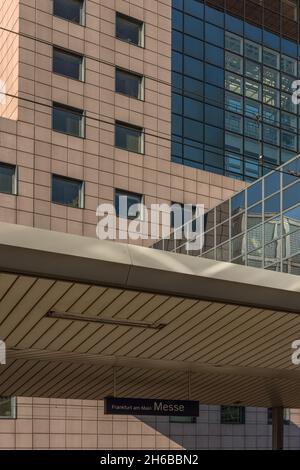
277, 428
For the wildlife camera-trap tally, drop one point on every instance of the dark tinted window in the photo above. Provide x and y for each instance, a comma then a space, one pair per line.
67, 191
129, 84
68, 120
7, 178
7, 407
129, 29
124, 202
67, 64
129, 137
71, 10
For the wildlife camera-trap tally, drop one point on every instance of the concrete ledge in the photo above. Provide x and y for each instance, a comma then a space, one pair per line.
43, 253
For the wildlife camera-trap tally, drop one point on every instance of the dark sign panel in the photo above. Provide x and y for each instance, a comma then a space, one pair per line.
140, 406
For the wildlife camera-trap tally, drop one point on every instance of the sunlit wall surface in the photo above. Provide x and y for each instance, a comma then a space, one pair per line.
231, 89
258, 227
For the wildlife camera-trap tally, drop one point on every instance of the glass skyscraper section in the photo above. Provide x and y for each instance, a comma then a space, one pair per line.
232, 91
258, 227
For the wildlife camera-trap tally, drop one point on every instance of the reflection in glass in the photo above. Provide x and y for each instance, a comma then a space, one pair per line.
233, 43
209, 255
271, 77
272, 183
291, 196
238, 203
272, 252
291, 220
233, 62
254, 259
274, 267
222, 212
222, 233
292, 265
209, 240
272, 206
233, 82
238, 246
254, 216
254, 193
209, 220
222, 252
291, 244
241, 261
254, 238
272, 229
238, 224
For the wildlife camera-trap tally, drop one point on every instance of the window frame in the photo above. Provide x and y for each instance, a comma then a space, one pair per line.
242, 415
69, 52
131, 19
14, 191
77, 111
81, 198
133, 127
82, 15
124, 192
13, 415
141, 84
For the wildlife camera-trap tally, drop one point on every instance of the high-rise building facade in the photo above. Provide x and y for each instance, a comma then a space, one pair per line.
163, 102
233, 66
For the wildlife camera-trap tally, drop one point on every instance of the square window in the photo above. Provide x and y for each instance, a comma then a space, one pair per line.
271, 58
289, 65
271, 115
234, 123
252, 70
130, 30
233, 62
252, 90
253, 51
286, 83
271, 77
271, 154
233, 82
233, 43
252, 128
8, 179
287, 103
289, 140
70, 10
233, 163
252, 109
128, 205
67, 120
232, 415
129, 84
233, 102
271, 135
233, 143
8, 408
289, 121
271, 96
128, 137
68, 64
67, 192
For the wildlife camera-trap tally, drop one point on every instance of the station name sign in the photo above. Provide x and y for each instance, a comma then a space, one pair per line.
150, 407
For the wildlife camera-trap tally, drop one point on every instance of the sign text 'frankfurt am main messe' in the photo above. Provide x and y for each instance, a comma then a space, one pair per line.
140, 406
